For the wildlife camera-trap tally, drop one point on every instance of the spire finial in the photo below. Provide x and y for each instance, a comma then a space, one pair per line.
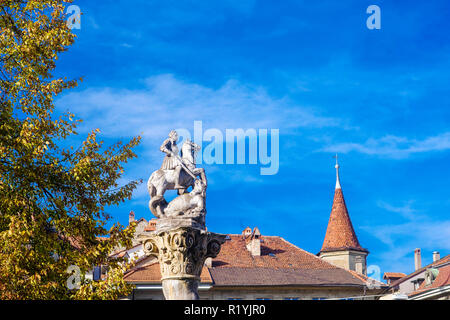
338, 184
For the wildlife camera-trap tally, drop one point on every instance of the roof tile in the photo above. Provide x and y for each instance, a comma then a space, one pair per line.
340, 234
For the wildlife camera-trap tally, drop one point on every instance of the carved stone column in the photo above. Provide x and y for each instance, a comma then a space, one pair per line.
181, 252
180, 242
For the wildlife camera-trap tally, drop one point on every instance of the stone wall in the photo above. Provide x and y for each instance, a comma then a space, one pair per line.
260, 293
348, 259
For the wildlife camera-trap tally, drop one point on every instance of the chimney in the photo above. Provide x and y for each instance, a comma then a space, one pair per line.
417, 259
131, 217
254, 245
246, 232
436, 256
151, 225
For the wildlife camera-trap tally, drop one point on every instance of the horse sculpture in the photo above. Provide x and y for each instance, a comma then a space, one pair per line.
162, 180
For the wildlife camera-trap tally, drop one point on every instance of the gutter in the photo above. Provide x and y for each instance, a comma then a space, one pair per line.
430, 293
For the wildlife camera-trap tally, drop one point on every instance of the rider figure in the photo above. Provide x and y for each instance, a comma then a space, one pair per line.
169, 147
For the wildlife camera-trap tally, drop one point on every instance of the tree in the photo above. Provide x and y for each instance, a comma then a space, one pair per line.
52, 198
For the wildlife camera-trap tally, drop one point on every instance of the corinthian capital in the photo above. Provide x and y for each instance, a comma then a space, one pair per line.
181, 253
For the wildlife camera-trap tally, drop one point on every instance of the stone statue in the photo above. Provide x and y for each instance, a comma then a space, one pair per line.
187, 205
169, 147
180, 242
176, 173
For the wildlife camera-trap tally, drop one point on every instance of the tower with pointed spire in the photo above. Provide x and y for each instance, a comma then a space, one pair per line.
341, 246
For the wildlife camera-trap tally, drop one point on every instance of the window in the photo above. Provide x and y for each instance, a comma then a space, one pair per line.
417, 283
97, 273
104, 269
430, 275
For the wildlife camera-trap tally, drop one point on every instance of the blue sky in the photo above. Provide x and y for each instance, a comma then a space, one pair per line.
314, 71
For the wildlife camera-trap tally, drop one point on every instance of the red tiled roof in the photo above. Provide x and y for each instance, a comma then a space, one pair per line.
441, 261
152, 274
368, 280
151, 225
280, 263
275, 253
340, 234
236, 276
442, 279
392, 275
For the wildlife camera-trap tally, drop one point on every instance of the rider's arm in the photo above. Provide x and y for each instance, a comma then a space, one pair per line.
165, 147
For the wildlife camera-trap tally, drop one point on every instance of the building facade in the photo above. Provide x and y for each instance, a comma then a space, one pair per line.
431, 282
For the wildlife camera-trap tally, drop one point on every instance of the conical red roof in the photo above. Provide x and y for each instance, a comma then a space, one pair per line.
340, 234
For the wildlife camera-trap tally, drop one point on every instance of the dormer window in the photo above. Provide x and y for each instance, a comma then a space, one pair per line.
430, 275
417, 283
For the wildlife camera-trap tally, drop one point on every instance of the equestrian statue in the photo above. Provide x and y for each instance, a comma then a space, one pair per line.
178, 172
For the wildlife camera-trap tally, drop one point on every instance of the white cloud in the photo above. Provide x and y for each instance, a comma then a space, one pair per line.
394, 147
168, 103
426, 234
405, 211
416, 231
